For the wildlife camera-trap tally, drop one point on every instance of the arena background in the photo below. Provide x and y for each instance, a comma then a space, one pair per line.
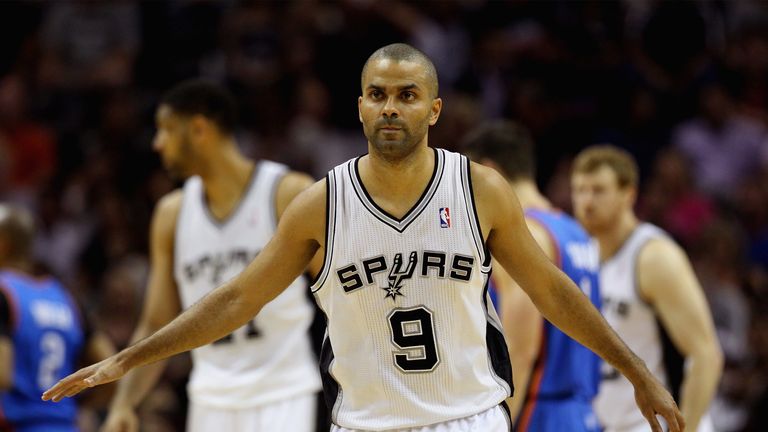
682, 85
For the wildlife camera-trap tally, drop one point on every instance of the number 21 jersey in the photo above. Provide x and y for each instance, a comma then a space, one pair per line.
412, 337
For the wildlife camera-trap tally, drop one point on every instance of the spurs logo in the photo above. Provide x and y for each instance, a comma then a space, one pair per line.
425, 264
397, 275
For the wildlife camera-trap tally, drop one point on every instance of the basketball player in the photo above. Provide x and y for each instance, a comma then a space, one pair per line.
262, 375
406, 232
43, 335
649, 292
557, 375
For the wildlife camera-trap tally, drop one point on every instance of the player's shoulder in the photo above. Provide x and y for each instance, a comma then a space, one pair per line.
661, 254
314, 194
294, 182
289, 187
486, 181
169, 204
166, 215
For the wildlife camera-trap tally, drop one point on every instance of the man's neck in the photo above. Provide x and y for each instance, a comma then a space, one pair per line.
614, 237
225, 173
529, 195
403, 175
396, 186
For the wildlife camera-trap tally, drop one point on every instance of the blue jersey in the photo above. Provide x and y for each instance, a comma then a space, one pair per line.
48, 336
564, 370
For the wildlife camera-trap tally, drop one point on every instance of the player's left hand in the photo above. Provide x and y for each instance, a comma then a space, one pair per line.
652, 399
100, 373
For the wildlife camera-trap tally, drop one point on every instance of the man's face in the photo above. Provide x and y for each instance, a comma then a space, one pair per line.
397, 106
172, 142
598, 201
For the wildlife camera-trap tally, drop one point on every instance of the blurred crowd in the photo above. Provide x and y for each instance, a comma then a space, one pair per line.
682, 85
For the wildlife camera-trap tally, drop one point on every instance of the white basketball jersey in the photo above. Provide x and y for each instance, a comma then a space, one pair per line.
636, 323
270, 358
412, 337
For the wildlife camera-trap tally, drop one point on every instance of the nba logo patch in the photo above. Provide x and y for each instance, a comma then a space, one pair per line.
445, 217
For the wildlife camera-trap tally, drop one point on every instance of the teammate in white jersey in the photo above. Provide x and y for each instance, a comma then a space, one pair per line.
649, 291
263, 376
406, 232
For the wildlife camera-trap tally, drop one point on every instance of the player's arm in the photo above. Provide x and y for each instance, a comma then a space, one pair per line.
557, 297
6, 344
227, 307
522, 322
291, 185
667, 281
161, 305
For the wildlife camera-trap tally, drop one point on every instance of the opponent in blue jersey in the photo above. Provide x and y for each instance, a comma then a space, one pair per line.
42, 335
557, 376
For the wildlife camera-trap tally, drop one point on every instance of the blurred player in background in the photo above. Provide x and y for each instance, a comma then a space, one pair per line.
263, 376
44, 336
556, 377
651, 296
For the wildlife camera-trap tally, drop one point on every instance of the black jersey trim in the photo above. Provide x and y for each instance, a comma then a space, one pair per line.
398, 224
507, 414
673, 361
221, 223
498, 353
331, 388
330, 231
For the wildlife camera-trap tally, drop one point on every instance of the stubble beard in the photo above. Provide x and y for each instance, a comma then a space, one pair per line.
396, 150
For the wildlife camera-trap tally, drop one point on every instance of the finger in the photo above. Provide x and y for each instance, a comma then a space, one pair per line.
57, 389
671, 414
73, 386
650, 416
680, 419
77, 388
65, 383
64, 391
672, 423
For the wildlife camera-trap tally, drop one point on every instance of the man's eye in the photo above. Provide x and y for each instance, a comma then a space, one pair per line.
409, 96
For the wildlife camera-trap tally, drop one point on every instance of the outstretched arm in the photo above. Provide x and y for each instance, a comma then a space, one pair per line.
558, 299
668, 283
228, 307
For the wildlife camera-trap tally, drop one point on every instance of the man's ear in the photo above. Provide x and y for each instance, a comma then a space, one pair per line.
200, 128
359, 114
437, 108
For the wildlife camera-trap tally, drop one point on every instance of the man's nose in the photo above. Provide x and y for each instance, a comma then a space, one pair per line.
390, 109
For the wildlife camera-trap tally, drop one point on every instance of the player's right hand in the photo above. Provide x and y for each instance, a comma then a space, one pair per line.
100, 373
121, 419
652, 399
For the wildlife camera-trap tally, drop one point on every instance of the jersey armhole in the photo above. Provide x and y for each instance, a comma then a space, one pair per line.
330, 231
273, 197
474, 220
635, 275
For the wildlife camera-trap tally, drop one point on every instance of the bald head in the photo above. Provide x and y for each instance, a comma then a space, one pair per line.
403, 52
17, 231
